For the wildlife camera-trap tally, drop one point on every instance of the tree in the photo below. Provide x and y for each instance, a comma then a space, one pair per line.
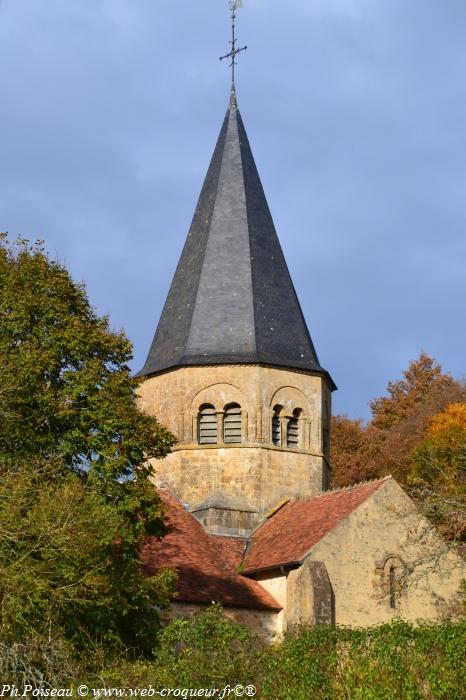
400, 420
398, 424
65, 373
69, 568
417, 434
423, 386
347, 451
438, 477
76, 499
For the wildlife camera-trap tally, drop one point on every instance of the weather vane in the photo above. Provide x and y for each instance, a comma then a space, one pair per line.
234, 5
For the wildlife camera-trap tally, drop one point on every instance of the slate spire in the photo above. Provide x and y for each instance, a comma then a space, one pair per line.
232, 299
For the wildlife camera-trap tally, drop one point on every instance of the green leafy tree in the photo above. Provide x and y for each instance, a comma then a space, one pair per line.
76, 499
65, 375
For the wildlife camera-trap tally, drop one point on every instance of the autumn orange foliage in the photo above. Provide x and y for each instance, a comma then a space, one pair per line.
453, 417
438, 477
426, 404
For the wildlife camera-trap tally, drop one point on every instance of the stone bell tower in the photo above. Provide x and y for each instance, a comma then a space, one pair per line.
232, 370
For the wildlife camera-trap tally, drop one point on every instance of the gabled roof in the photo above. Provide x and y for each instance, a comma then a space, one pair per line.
291, 532
232, 299
205, 564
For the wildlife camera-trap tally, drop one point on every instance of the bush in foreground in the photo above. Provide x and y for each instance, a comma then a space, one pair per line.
393, 661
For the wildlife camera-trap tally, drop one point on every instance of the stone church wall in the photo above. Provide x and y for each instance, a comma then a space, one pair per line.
386, 529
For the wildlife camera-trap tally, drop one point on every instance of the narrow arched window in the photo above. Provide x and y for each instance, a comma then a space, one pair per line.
292, 429
232, 423
394, 580
276, 426
207, 425
392, 585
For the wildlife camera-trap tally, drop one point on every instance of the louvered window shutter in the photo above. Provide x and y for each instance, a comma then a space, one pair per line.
276, 430
232, 424
208, 429
292, 430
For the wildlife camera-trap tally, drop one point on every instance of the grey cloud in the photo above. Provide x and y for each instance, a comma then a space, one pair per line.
355, 111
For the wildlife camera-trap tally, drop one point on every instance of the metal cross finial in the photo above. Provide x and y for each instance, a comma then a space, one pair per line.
234, 4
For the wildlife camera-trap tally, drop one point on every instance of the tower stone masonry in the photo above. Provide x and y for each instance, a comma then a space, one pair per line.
232, 370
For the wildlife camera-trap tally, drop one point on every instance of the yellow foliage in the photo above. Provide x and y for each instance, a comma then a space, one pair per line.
452, 417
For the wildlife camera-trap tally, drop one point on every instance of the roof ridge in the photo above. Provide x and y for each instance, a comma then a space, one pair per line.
186, 548
341, 489
289, 537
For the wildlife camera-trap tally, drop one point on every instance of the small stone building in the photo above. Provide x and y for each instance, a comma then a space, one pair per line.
233, 373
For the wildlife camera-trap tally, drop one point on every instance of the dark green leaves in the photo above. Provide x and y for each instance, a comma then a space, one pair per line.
76, 500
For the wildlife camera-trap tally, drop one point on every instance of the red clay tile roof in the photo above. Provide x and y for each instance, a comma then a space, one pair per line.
205, 564
231, 549
293, 530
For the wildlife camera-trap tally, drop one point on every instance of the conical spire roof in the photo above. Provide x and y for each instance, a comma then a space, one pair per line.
232, 300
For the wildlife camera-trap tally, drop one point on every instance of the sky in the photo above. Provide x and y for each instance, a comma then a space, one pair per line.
356, 114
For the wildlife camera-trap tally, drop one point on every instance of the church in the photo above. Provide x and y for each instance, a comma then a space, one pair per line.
233, 372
